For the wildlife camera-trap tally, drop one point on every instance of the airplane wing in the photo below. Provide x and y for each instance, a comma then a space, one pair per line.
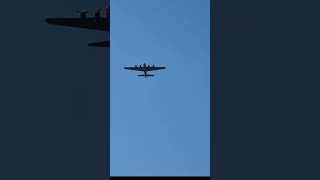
88, 23
154, 68
100, 44
134, 68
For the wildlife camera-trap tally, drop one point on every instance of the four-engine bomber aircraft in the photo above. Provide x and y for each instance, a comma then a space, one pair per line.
96, 23
145, 68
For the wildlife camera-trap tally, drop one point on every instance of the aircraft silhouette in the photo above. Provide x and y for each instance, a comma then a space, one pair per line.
145, 68
95, 23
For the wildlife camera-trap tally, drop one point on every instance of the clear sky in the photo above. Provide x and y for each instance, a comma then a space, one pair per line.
160, 126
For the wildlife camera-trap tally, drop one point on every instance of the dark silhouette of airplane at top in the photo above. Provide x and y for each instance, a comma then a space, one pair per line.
145, 68
95, 23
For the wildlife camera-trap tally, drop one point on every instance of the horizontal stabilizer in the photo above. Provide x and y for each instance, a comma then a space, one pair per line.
100, 44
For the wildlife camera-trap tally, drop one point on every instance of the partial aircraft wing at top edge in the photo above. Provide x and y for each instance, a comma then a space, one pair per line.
88, 23
97, 22
100, 44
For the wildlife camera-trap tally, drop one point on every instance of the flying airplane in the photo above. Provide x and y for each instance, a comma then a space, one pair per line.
145, 68
95, 23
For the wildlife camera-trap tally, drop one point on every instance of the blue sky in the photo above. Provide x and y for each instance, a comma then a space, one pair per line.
160, 126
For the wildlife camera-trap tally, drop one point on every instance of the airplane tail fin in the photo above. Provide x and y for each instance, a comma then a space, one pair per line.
142, 75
